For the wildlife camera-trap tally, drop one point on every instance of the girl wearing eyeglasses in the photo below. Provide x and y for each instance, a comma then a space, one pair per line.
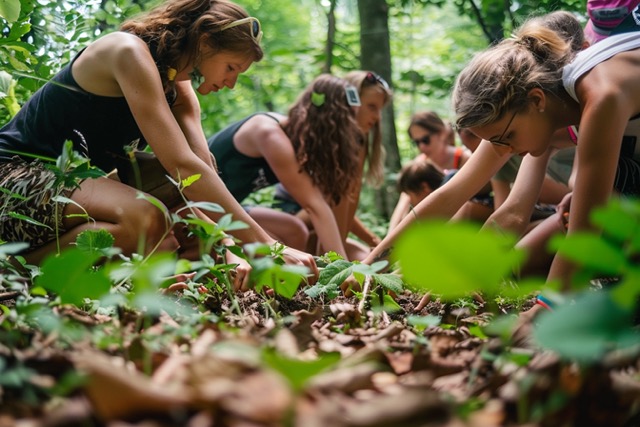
517, 95
311, 151
131, 87
431, 136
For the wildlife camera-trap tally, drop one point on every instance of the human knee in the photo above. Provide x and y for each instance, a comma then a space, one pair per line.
146, 221
297, 234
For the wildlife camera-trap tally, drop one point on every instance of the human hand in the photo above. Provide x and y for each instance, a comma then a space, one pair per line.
375, 240
350, 285
241, 273
563, 209
296, 257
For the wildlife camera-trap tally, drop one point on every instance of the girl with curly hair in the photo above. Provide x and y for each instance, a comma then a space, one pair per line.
132, 86
312, 151
374, 94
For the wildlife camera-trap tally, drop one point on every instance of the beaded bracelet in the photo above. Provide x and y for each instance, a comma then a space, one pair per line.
545, 302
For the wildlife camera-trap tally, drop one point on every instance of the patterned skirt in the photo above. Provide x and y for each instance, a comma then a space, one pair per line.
28, 212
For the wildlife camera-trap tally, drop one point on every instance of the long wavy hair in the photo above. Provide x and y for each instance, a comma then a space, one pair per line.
324, 134
499, 79
375, 150
179, 27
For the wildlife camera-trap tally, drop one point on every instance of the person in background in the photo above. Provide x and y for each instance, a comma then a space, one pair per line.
312, 151
432, 136
374, 94
418, 179
132, 86
608, 17
516, 102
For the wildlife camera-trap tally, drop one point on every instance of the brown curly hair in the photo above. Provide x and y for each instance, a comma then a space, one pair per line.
179, 27
324, 137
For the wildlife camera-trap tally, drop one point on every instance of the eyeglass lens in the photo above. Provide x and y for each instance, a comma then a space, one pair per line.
426, 140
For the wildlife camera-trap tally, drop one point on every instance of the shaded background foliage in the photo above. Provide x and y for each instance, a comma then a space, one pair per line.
419, 46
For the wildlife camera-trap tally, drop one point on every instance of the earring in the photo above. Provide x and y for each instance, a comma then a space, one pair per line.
196, 77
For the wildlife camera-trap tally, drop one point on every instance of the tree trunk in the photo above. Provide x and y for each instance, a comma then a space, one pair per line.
376, 56
331, 37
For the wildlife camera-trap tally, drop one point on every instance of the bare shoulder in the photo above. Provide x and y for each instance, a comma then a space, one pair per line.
95, 68
613, 81
263, 128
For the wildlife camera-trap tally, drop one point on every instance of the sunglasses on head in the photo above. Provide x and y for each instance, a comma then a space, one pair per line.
426, 140
374, 78
256, 31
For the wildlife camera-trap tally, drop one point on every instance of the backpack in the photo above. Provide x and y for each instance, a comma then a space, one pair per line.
608, 17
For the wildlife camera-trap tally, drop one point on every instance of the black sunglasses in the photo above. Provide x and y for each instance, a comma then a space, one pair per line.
426, 140
374, 78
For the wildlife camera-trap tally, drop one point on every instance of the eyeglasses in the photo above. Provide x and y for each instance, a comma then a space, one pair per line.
374, 78
256, 31
426, 140
499, 141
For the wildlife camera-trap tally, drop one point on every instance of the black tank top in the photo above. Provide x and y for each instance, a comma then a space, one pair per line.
241, 174
98, 126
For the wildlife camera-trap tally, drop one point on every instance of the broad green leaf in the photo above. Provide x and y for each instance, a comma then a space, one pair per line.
95, 240
423, 322
619, 218
12, 248
453, 259
155, 304
390, 282
70, 275
627, 292
10, 10
296, 371
591, 251
586, 330
283, 279
148, 275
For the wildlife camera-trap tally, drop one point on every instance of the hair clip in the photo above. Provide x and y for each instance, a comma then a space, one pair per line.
353, 99
317, 99
171, 74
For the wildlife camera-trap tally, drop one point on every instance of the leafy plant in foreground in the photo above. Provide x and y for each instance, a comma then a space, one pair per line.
599, 322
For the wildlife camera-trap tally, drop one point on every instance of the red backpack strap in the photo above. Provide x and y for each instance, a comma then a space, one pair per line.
456, 158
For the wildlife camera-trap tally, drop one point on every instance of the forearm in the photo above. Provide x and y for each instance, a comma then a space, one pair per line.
442, 203
326, 228
363, 233
210, 188
515, 213
400, 211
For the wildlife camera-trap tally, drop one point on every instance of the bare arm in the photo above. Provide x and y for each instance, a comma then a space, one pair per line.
501, 190
363, 233
120, 65
514, 214
186, 111
446, 200
276, 148
602, 127
400, 211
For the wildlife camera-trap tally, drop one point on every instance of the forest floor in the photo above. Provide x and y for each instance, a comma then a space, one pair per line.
277, 362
